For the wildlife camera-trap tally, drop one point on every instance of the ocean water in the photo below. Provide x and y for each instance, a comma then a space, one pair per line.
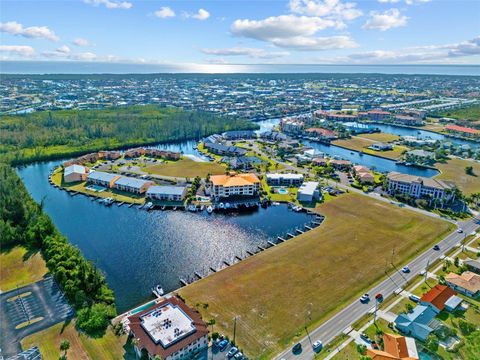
78, 67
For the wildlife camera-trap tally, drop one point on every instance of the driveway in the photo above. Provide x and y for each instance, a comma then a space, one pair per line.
42, 299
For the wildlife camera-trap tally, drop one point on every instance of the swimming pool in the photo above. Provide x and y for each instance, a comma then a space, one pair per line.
95, 188
143, 307
282, 191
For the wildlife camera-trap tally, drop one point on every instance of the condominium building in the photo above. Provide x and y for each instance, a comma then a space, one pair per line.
133, 185
418, 186
167, 193
289, 179
224, 186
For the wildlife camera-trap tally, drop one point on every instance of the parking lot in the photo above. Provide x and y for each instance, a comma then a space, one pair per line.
29, 309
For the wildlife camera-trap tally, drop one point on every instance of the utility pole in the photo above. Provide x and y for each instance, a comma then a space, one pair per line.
234, 328
426, 270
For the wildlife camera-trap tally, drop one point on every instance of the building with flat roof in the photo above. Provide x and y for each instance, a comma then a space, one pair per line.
224, 186
167, 193
102, 178
169, 329
418, 186
239, 134
308, 192
395, 347
133, 185
290, 179
74, 173
221, 149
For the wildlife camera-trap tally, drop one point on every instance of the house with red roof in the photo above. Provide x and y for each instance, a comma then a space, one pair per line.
437, 297
462, 130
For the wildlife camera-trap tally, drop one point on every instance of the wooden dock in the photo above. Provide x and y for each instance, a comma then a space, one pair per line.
299, 231
213, 269
250, 253
120, 204
280, 239
226, 263
271, 243
183, 282
238, 258
198, 275
291, 235
308, 227
260, 248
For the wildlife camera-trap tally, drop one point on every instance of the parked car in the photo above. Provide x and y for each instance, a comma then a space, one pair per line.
297, 347
317, 345
406, 269
414, 298
436, 247
365, 337
232, 352
238, 356
222, 345
365, 298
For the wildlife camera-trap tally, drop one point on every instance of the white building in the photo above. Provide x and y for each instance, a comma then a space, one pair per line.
167, 193
133, 185
418, 186
308, 192
290, 179
74, 173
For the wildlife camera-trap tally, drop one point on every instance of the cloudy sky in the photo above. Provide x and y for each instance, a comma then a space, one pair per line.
242, 31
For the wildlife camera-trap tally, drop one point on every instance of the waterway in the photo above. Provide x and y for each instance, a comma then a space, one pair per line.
137, 249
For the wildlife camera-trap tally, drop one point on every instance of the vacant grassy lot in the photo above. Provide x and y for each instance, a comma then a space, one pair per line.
17, 267
380, 137
186, 168
471, 113
109, 347
317, 272
454, 170
361, 144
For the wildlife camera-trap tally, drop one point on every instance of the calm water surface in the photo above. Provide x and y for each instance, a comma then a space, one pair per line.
138, 249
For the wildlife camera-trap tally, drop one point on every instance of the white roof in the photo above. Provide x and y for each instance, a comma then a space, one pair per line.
102, 176
308, 188
75, 169
411, 347
131, 182
167, 324
166, 190
453, 302
284, 176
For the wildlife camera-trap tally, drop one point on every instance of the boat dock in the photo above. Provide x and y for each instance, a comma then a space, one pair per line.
183, 282
238, 258
271, 243
299, 231
226, 263
120, 204
280, 239
213, 269
250, 253
198, 275
291, 235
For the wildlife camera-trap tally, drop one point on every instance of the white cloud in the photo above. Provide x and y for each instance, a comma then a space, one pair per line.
21, 50
293, 32
110, 4
64, 52
81, 42
388, 1
164, 12
385, 20
201, 15
334, 9
35, 32
413, 2
447, 53
245, 51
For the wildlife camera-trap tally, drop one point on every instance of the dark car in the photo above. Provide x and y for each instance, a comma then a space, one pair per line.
436, 247
222, 345
297, 347
379, 297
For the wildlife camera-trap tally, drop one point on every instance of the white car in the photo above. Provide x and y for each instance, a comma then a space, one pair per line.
459, 231
365, 298
317, 345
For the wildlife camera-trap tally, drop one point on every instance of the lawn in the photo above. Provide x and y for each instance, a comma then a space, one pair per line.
186, 168
361, 144
318, 272
454, 170
18, 267
471, 113
108, 347
380, 137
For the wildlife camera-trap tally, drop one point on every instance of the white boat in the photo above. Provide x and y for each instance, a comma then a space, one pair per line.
108, 201
164, 207
158, 291
227, 206
202, 207
209, 209
221, 206
148, 206
174, 208
275, 203
192, 208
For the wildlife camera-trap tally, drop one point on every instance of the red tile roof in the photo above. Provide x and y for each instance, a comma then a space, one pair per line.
146, 342
324, 132
462, 129
438, 296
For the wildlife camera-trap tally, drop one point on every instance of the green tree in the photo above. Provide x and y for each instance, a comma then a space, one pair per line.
469, 170
431, 343
64, 346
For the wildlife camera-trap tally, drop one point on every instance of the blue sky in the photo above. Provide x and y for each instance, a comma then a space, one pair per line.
243, 31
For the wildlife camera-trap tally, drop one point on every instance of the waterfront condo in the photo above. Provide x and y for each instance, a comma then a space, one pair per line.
224, 186
418, 186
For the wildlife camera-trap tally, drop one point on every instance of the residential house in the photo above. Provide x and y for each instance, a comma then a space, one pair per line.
377, 115
101, 178
289, 179
166, 193
75, 173
133, 185
395, 347
109, 155
468, 283
472, 265
437, 297
418, 323
381, 146
422, 155
274, 136
239, 134
418, 186
407, 120
308, 192
343, 165
363, 174
318, 161
224, 186
220, 149
170, 330
322, 134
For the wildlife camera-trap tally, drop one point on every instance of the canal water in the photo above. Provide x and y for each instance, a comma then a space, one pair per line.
137, 249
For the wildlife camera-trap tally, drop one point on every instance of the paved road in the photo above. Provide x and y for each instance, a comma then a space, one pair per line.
353, 312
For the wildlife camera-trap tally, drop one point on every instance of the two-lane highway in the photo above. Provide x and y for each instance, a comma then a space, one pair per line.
353, 312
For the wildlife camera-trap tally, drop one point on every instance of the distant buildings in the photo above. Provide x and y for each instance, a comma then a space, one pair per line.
242, 162
322, 133
464, 131
220, 149
240, 134
292, 125
468, 283
103, 179
290, 179
170, 330
395, 347
418, 187
375, 115
308, 192
363, 175
224, 186
166, 193
407, 120
75, 173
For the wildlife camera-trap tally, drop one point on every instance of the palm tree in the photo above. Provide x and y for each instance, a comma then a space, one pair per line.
64, 346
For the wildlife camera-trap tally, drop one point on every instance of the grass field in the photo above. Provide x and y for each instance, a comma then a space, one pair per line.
317, 272
361, 144
186, 168
454, 170
471, 113
381, 137
17, 267
109, 347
